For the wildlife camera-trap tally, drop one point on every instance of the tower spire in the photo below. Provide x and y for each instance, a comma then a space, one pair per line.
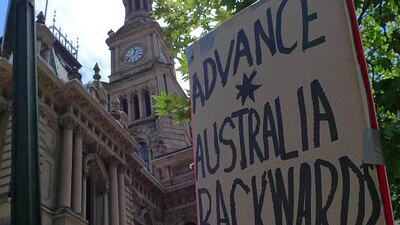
137, 9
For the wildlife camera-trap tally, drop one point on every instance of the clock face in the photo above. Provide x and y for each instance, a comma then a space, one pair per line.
134, 54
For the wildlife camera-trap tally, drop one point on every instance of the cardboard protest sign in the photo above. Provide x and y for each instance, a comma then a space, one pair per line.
279, 116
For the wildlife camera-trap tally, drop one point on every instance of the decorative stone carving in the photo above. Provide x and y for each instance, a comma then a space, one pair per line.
50, 139
50, 118
181, 213
74, 73
42, 111
104, 187
114, 161
41, 18
122, 168
115, 108
68, 123
3, 104
161, 148
181, 169
80, 131
96, 75
86, 172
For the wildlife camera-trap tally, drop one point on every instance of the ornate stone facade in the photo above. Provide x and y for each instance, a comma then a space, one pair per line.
105, 157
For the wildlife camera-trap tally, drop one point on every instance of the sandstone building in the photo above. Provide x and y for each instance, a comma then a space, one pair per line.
105, 157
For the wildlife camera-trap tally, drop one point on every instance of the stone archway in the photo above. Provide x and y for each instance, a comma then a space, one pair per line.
95, 165
95, 185
147, 219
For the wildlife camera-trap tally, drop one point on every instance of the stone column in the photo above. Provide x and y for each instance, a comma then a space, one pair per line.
38, 45
64, 194
84, 194
121, 192
77, 172
165, 174
105, 204
116, 64
46, 55
114, 211
112, 60
152, 103
142, 105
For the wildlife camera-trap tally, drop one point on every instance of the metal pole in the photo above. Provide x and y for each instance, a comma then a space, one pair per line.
45, 11
25, 189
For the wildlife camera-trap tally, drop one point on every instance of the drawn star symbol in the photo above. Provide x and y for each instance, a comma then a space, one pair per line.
247, 88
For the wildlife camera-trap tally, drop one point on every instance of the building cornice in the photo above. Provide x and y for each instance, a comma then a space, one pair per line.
133, 29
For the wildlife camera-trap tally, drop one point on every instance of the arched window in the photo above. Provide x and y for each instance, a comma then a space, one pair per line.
129, 8
147, 102
125, 105
137, 4
165, 83
144, 155
147, 219
136, 106
89, 202
109, 102
145, 5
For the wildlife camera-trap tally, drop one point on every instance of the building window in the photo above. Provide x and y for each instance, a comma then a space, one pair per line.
147, 102
137, 4
125, 105
165, 83
144, 155
129, 6
136, 106
89, 204
147, 219
109, 102
145, 5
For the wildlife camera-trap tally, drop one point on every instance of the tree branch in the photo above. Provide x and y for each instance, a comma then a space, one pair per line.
366, 5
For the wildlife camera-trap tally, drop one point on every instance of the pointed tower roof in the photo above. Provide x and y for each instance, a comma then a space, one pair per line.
41, 18
96, 75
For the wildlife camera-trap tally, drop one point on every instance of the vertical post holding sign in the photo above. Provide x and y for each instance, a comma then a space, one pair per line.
284, 128
25, 181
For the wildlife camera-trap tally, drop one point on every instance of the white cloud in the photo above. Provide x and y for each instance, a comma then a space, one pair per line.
90, 20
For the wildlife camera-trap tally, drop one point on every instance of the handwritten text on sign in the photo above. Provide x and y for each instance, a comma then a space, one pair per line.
278, 118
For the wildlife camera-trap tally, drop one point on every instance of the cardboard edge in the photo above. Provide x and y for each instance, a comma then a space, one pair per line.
381, 170
193, 146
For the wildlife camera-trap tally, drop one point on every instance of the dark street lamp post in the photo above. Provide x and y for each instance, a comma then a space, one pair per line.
25, 181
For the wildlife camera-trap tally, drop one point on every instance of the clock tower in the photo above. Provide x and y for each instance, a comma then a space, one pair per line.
141, 66
137, 45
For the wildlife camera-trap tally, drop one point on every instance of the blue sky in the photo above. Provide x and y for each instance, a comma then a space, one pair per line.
3, 12
90, 20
